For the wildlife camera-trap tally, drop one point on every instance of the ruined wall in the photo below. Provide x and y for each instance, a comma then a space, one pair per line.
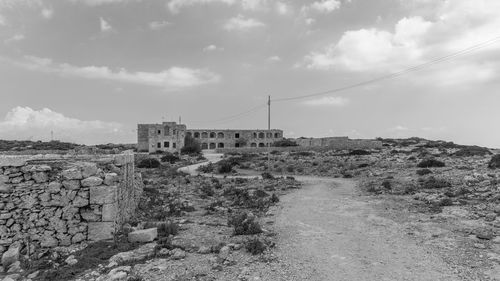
230, 138
339, 143
59, 200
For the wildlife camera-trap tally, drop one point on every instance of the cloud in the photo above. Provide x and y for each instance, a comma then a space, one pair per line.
242, 24
254, 4
328, 101
282, 8
274, 59
174, 78
158, 25
26, 123
15, 38
95, 3
176, 5
105, 26
47, 13
212, 48
3, 21
323, 6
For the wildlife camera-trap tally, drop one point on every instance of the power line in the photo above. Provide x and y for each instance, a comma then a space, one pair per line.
396, 74
233, 117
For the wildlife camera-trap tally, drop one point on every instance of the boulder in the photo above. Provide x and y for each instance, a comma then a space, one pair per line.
11, 256
71, 184
111, 178
72, 174
143, 235
88, 169
91, 181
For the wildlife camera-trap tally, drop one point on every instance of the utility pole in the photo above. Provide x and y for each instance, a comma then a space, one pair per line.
268, 132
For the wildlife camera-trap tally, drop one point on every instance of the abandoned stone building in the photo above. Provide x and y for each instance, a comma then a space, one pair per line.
169, 136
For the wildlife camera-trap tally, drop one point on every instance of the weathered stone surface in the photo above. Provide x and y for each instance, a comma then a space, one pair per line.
103, 194
88, 169
5, 188
80, 201
72, 174
140, 253
11, 255
143, 235
90, 216
40, 177
54, 187
111, 178
71, 184
13, 161
100, 231
48, 242
109, 212
91, 181
77, 238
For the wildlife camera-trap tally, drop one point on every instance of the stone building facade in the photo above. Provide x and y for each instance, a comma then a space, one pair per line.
169, 136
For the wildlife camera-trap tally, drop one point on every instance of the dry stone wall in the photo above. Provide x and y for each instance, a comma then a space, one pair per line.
49, 201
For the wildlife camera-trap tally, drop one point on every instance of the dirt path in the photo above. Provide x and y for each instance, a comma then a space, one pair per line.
327, 232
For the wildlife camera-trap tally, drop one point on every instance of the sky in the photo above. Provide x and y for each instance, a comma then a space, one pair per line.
89, 70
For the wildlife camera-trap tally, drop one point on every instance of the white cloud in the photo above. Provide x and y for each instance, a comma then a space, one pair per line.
328, 101
15, 38
310, 21
3, 21
105, 26
254, 4
95, 3
274, 59
282, 8
174, 78
27, 123
158, 25
175, 5
47, 13
323, 6
242, 23
212, 48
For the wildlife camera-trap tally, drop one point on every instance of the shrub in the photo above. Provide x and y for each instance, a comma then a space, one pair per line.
363, 165
267, 176
209, 168
244, 224
432, 183
423, 172
429, 163
170, 158
473, 151
494, 162
224, 167
359, 152
386, 184
149, 163
191, 146
302, 153
168, 228
255, 246
290, 169
284, 143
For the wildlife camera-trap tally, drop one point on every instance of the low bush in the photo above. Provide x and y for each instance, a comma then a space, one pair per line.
224, 167
244, 224
170, 158
167, 228
473, 151
430, 163
359, 152
208, 168
434, 183
494, 162
149, 163
284, 143
423, 172
255, 246
267, 176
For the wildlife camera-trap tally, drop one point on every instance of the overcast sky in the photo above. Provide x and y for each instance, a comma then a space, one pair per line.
90, 70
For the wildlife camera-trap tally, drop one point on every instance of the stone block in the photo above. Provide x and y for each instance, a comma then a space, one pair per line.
91, 181
100, 231
143, 235
13, 161
111, 178
5, 188
72, 174
40, 177
48, 242
11, 256
71, 184
89, 169
77, 238
80, 201
109, 212
103, 194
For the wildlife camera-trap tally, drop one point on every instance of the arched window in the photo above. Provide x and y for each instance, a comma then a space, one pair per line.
276, 135
212, 145
262, 145
253, 144
269, 135
220, 145
204, 146
212, 135
204, 135
261, 135
220, 135
254, 135
196, 135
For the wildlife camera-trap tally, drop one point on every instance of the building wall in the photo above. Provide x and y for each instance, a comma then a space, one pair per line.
168, 136
214, 138
339, 143
59, 200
